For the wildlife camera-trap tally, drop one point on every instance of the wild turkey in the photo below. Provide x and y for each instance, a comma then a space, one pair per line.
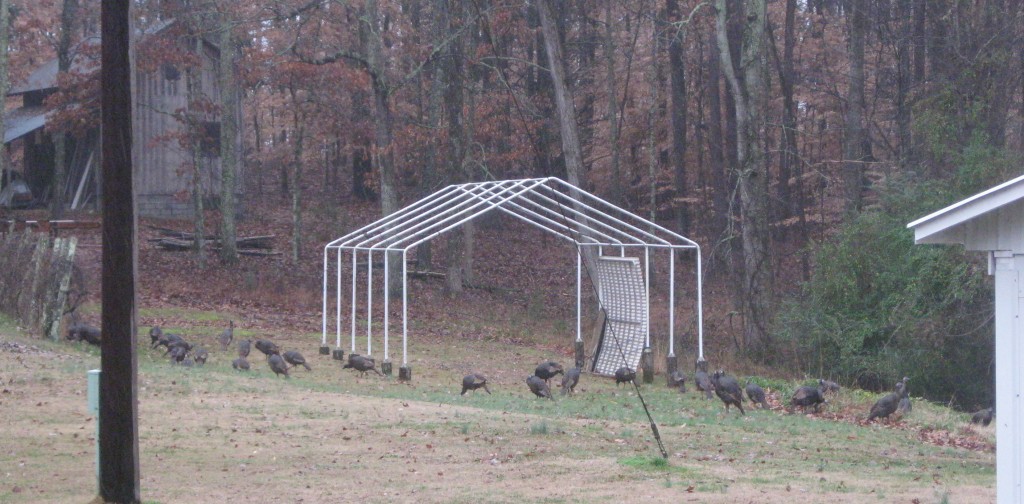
888, 404
178, 354
296, 359
227, 335
808, 396
278, 365
177, 343
539, 387
240, 364
678, 379
168, 339
904, 407
756, 394
268, 347
828, 387
84, 332
200, 355
624, 375
983, 417
728, 390
243, 348
569, 380
155, 333
548, 370
703, 383
474, 381
361, 364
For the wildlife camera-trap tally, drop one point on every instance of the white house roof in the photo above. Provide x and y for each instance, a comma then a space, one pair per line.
548, 203
947, 225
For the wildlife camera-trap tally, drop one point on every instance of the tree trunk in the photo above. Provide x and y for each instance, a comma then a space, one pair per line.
749, 94
788, 158
229, 154
920, 40
5, 84
854, 135
571, 149
68, 16
654, 79
677, 73
296, 174
257, 133
195, 132
613, 103
720, 175
904, 80
374, 44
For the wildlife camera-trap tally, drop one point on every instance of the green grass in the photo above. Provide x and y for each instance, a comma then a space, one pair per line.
697, 433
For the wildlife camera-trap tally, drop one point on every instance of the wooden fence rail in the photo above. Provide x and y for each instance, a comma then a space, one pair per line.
35, 279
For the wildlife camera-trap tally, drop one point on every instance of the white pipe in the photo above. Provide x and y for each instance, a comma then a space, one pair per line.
338, 305
410, 228
324, 330
647, 292
579, 289
700, 310
571, 206
355, 268
671, 303
452, 226
411, 209
405, 315
369, 303
641, 219
386, 296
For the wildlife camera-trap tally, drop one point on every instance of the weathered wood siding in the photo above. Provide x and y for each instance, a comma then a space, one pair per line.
163, 171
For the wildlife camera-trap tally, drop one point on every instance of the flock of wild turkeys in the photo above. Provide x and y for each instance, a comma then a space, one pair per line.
896, 403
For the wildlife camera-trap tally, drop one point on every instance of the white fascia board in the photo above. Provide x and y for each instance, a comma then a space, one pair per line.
930, 228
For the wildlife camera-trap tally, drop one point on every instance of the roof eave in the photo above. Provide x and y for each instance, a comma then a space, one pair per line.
939, 227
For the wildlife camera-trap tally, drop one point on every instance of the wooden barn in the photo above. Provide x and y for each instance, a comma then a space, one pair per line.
163, 161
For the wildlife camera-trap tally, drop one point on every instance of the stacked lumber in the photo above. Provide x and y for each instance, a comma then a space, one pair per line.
174, 240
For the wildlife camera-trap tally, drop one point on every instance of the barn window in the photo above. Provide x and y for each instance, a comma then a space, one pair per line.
209, 143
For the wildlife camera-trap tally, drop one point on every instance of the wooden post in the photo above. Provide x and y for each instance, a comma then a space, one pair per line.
119, 433
47, 298
66, 264
27, 303
647, 363
671, 366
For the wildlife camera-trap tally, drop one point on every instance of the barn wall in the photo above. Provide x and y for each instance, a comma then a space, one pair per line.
164, 173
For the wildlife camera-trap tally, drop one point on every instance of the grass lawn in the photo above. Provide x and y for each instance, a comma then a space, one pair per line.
210, 434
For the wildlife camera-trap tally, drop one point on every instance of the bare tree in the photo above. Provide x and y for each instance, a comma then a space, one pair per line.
748, 85
854, 134
229, 119
68, 16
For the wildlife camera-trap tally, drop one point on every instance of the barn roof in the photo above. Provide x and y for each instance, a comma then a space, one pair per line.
22, 121
548, 203
948, 225
45, 76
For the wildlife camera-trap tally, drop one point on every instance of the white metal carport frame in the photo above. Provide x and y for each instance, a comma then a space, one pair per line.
550, 204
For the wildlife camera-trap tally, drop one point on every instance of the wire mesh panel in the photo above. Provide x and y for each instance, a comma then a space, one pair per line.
624, 298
